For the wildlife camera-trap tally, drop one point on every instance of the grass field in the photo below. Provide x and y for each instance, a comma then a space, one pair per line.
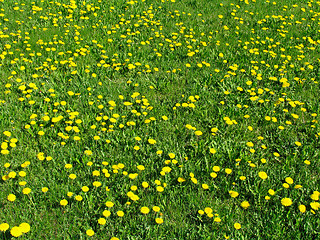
157, 119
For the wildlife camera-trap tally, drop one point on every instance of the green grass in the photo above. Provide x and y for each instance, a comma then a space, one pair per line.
237, 78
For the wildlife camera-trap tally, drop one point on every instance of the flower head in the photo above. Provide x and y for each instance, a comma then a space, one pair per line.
286, 202
263, 175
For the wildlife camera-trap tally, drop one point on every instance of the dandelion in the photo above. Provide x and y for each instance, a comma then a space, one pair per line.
276, 154
145, 185
285, 185
72, 176
302, 208
96, 184
201, 212
233, 194
250, 144
307, 162
245, 204
7, 133
198, 133
141, 167
212, 150
88, 152
216, 168
16, 231
63, 202
106, 213
109, 204
152, 141
145, 210
289, 180
4, 227
315, 205
156, 208
263, 175
208, 210
102, 221
78, 198
165, 118
315, 196
90, 232
213, 175
120, 213
271, 192
24, 227
180, 180
205, 186
286, 202
237, 226
160, 189
11, 197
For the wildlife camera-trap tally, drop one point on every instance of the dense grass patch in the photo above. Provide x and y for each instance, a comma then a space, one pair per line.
159, 119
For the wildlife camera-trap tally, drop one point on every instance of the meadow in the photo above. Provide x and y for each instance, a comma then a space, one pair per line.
159, 119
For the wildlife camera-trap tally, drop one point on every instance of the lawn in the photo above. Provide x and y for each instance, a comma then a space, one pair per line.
159, 119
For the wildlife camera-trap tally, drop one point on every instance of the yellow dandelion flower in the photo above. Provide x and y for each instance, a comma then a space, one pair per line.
216, 168
90, 232
159, 220
152, 141
120, 213
145, 185
26, 191
102, 221
289, 180
4, 227
11, 197
198, 133
286, 202
16, 231
109, 204
245, 204
106, 213
302, 208
160, 189
205, 186
156, 208
315, 205
180, 180
263, 175
298, 143
233, 194
271, 192
24, 227
237, 226
78, 198
212, 150
213, 175
145, 210
208, 210
63, 202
